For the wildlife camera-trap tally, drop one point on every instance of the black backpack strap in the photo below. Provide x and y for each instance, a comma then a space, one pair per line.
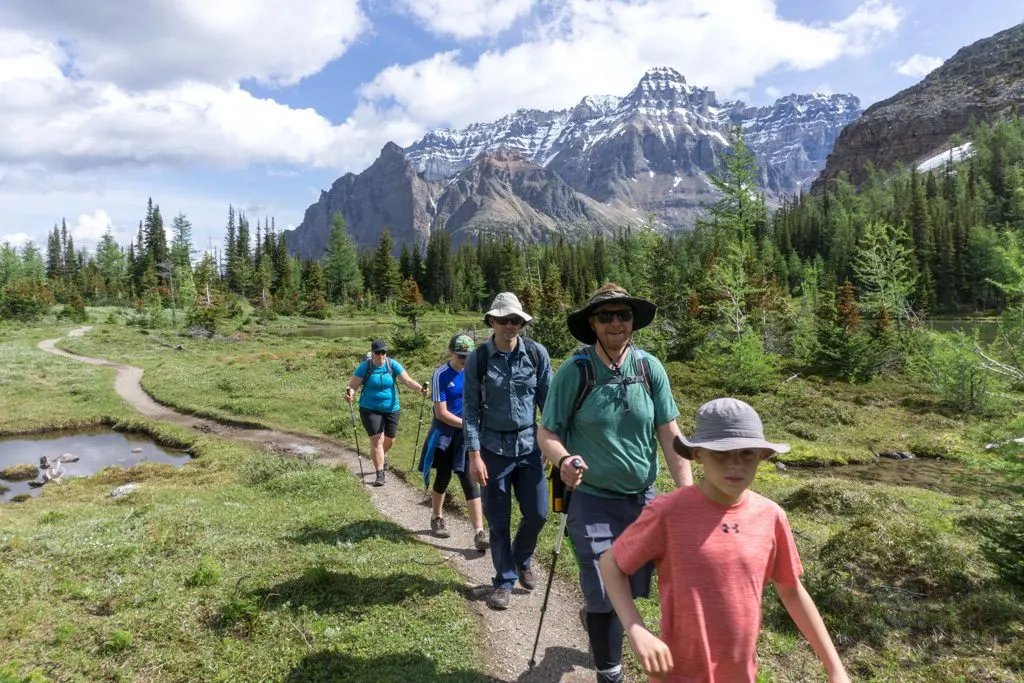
587, 382
482, 357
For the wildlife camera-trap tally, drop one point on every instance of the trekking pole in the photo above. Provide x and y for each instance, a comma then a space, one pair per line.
416, 445
355, 433
577, 463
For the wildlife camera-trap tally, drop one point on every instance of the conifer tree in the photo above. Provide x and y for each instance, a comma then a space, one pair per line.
181, 242
386, 278
341, 264
438, 277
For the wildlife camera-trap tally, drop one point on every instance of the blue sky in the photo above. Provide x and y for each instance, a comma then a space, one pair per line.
263, 103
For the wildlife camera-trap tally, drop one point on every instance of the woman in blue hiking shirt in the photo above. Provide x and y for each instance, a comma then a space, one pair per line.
444, 449
378, 402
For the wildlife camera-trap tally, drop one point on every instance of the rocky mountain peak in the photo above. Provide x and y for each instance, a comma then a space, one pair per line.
660, 88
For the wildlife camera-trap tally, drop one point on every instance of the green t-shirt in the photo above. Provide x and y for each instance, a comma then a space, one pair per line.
621, 449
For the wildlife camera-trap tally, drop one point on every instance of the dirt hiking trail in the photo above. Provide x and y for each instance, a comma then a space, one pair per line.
508, 635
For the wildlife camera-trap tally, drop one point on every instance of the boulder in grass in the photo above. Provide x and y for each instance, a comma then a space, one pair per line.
122, 491
19, 472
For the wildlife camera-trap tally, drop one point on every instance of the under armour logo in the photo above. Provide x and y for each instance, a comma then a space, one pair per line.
734, 528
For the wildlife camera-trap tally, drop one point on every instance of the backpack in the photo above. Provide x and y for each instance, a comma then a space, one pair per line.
588, 378
482, 358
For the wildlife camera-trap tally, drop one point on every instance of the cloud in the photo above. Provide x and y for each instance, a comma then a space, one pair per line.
156, 83
867, 25
89, 228
146, 44
772, 92
918, 65
466, 19
17, 239
727, 46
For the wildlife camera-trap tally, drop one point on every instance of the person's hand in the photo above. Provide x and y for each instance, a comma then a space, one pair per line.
839, 677
349, 394
653, 653
424, 389
572, 471
477, 468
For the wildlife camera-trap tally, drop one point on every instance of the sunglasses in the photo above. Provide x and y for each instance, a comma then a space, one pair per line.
623, 314
380, 353
509, 321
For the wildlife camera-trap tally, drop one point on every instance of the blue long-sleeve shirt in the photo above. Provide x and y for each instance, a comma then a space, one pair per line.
515, 390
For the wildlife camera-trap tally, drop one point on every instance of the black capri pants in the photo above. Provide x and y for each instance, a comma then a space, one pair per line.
375, 422
443, 464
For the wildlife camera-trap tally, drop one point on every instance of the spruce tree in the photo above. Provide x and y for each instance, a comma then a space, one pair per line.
341, 264
386, 278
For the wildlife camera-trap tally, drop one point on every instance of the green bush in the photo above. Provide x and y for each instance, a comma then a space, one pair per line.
956, 374
740, 366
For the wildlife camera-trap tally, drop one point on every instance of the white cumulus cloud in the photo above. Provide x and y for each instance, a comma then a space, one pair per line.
465, 19
599, 46
918, 65
153, 43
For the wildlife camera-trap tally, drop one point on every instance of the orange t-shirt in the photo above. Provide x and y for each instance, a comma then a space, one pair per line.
713, 562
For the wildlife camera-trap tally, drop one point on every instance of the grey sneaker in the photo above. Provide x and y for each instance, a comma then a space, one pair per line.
438, 528
500, 598
526, 579
481, 540
379, 481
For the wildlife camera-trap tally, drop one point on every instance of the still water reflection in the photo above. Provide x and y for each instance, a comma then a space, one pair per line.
95, 449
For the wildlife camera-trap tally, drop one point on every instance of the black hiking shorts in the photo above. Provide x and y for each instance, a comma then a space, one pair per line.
375, 422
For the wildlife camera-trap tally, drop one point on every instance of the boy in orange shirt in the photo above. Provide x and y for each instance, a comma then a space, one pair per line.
715, 546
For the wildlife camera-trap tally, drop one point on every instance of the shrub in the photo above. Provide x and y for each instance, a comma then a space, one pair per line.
740, 366
208, 573
956, 374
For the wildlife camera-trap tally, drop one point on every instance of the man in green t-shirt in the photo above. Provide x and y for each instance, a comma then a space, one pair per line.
607, 447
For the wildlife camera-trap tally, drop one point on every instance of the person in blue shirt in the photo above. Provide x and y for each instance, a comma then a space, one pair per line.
506, 382
378, 401
444, 441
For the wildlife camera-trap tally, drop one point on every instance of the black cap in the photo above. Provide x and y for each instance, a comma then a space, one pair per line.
378, 345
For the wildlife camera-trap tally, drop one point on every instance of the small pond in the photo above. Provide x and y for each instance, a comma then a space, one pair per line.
987, 328
95, 450
945, 476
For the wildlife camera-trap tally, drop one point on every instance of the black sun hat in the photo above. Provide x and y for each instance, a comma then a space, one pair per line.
579, 323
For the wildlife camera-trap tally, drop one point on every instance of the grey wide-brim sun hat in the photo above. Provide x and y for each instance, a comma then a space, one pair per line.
579, 321
504, 305
726, 424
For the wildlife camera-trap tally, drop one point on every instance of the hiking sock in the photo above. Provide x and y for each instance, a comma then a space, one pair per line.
605, 633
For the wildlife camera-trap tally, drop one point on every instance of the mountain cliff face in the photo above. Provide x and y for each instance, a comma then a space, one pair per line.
981, 82
605, 163
503, 192
390, 193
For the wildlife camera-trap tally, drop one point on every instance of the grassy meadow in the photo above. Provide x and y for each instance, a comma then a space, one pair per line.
241, 566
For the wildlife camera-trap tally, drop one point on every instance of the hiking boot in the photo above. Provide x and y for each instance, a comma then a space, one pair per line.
379, 481
438, 528
500, 598
387, 465
526, 579
481, 540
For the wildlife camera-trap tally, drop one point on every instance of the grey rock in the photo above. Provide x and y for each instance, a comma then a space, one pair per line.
122, 491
